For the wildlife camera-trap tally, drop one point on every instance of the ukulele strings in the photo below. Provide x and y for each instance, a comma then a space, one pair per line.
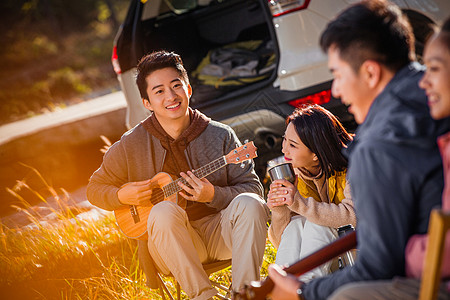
204, 171
159, 194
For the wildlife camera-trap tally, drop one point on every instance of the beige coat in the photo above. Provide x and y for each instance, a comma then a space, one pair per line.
321, 213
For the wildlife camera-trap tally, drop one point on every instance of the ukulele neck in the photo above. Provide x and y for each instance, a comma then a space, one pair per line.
200, 173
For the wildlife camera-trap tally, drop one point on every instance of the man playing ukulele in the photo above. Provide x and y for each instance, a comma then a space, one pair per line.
225, 216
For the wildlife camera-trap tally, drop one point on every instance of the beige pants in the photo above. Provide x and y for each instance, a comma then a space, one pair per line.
180, 247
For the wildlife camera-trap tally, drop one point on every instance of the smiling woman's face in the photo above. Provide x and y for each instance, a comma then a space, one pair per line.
296, 152
436, 81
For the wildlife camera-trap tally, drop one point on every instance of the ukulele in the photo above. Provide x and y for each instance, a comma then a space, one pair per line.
132, 219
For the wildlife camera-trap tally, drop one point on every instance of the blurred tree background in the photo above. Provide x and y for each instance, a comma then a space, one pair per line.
55, 53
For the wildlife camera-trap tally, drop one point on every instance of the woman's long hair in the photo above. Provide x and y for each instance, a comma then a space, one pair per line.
445, 33
323, 134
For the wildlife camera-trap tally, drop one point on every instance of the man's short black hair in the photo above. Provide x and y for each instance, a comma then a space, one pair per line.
371, 30
155, 61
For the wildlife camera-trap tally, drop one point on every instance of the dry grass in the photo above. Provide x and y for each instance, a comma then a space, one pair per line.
75, 256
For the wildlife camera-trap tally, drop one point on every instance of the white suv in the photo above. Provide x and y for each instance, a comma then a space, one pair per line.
251, 62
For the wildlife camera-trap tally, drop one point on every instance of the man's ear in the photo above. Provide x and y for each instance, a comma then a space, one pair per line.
147, 104
189, 87
371, 72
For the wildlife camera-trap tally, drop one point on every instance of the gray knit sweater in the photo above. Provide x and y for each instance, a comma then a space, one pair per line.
130, 160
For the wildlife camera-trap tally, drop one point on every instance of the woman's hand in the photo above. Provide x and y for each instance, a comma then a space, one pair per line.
281, 193
135, 193
200, 190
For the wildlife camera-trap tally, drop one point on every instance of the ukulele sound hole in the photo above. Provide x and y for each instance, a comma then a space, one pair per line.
157, 196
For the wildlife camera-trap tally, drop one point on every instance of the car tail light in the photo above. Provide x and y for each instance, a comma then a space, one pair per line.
282, 7
317, 98
115, 61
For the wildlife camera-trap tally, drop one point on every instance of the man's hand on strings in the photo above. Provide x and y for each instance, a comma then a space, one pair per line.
200, 190
285, 285
135, 193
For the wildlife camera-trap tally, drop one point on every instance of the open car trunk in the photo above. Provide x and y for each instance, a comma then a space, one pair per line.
227, 46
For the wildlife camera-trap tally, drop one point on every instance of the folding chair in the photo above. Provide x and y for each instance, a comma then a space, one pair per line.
437, 229
209, 268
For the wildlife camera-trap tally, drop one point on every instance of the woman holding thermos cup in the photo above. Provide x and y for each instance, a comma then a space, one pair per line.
308, 209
